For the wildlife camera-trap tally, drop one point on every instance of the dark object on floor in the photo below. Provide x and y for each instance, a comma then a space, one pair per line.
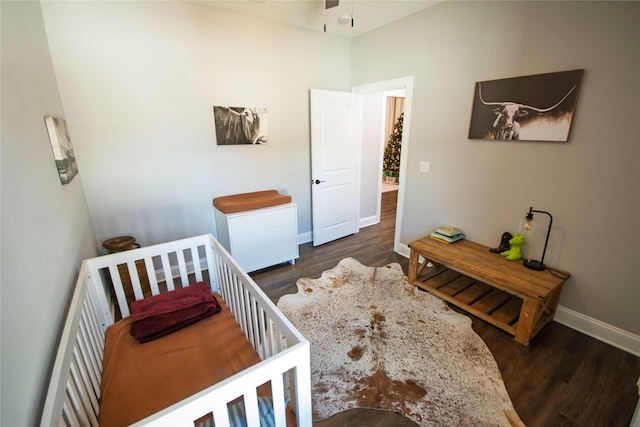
366, 417
504, 243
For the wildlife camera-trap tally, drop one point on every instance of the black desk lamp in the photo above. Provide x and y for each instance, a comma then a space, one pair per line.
528, 225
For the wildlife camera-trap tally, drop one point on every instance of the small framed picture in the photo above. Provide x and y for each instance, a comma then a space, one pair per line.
240, 125
62, 149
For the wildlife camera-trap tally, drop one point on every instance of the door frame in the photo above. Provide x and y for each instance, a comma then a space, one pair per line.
405, 83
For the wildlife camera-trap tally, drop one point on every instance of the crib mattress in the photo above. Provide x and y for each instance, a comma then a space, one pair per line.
141, 379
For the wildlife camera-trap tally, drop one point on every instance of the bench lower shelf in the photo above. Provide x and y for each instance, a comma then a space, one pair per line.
492, 305
503, 293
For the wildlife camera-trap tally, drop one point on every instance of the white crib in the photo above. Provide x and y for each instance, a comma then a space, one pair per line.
74, 391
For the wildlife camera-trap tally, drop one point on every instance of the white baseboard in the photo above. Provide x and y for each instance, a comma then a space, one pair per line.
371, 220
599, 330
404, 250
305, 237
587, 325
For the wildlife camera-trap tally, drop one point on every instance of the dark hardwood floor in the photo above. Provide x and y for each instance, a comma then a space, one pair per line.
563, 378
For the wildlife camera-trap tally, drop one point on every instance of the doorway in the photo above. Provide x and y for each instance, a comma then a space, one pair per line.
372, 162
393, 113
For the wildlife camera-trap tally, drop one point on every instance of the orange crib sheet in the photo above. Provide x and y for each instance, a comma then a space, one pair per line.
141, 379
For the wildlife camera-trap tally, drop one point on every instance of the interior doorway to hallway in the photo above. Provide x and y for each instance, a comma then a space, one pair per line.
373, 117
393, 111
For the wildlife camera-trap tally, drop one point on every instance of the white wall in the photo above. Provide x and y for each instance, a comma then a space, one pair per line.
139, 80
590, 184
371, 173
46, 229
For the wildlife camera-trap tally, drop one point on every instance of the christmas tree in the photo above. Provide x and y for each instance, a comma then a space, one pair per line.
391, 159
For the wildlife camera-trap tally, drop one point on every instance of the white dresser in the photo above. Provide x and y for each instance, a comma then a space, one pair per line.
260, 238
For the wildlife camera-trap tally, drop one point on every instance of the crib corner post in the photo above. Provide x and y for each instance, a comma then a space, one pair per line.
303, 388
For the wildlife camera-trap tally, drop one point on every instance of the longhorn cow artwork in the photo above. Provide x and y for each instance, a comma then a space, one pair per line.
531, 108
240, 125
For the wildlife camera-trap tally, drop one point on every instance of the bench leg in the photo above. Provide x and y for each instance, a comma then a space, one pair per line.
413, 267
529, 315
536, 313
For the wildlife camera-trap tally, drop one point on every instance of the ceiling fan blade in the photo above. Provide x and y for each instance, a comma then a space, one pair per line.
328, 4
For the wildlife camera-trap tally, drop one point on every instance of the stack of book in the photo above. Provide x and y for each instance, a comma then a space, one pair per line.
447, 234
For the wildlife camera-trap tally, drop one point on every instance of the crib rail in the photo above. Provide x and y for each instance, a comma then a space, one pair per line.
74, 390
151, 270
215, 399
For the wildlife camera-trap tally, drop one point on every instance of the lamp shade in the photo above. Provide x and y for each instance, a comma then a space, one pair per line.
528, 226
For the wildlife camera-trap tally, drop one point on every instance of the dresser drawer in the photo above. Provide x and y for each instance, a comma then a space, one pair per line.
260, 238
261, 219
264, 248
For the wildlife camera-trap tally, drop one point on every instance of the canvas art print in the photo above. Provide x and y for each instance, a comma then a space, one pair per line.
62, 149
532, 108
240, 125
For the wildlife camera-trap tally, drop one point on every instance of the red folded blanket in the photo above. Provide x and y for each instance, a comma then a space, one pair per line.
168, 312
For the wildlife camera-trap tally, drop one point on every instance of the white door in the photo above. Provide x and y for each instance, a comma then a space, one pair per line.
336, 132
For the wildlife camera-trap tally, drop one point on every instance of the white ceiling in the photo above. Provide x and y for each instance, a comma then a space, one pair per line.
367, 14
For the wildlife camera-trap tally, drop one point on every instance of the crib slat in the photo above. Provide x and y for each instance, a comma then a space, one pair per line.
197, 268
246, 303
258, 324
251, 407
220, 414
88, 365
75, 399
209, 252
68, 414
135, 279
270, 329
89, 375
279, 410
95, 330
93, 362
119, 290
90, 347
241, 306
89, 371
153, 280
262, 338
87, 380
225, 276
88, 407
246, 309
235, 299
166, 269
99, 294
253, 321
182, 268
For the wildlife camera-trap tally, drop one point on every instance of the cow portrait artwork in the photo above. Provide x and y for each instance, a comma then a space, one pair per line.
62, 149
531, 108
240, 125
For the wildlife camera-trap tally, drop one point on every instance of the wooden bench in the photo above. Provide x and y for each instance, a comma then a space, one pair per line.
504, 293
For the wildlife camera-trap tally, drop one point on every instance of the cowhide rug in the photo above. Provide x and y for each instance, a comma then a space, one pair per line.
378, 342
